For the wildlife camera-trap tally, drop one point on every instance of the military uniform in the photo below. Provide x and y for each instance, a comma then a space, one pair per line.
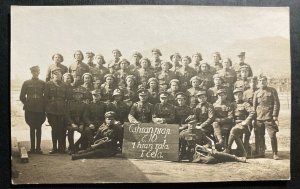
143, 75
54, 66
164, 79
229, 77
238, 66
182, 113
248, 96
216, 67
77, 69
242, 83
172, 94
120, 108
192, 92
100, 72
164, 111
212, 93
32, 96
207, 79
156, 63
107, 90
130, 95
184, 74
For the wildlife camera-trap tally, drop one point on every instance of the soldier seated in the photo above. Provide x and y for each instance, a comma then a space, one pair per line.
163, 112
182, 111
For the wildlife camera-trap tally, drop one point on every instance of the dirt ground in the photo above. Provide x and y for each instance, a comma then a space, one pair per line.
60, 168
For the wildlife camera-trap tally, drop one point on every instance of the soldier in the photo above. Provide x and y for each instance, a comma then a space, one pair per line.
218, 84
243, 80
223, 118
55, 98
185, 73
141, 111
57, 59
217, 65
87, 79
97, 84
90, 58
122, 73
118, 106
242, 57
108, 88
78, 68
163, 112
248, 94
182, 111
192, 92
114, 63
101, 70
173, 90
144, 73
165, 76
227, 73
243, 116
74, 117
130, 91
153, 91
267, 106
156, 61
32, 96
136, 57
205, 76
105, 141
175, 60
196, 58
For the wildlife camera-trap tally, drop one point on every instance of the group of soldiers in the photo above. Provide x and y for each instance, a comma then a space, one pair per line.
218, 100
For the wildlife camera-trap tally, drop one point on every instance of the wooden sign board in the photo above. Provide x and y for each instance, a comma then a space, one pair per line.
151, 141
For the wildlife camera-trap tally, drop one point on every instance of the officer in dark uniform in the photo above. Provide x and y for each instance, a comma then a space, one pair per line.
122, 73
266, 104
101, 71
165, 76
217, 65
223, 117
192, 92
57, 59
185, 73
243, 80
114, 63
242, 57
144, 73
243, 116
108, 87
32, 96
141, 111
182, 111
205, 76
163, 112
56, 94
78, 68
175, 59
173, 90
118, 106
153, 91
106, 139
196, 59
156, 61
135, 64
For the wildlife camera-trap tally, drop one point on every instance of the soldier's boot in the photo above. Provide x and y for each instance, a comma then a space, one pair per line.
32, 140
38, 140
274, 148
54, 142
83, 155
246, 143
182, 151
262, 146
239, 143
218, 134
230, 142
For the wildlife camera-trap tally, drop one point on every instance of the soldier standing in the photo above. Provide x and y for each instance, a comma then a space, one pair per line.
114, 63
163, 112
196, 58
267, 106
130, 90
144, 73
248, 94
78, 68
90, 58
185, 73
57, 59
192, 92
141, 111
227, 74
122, 73
173, 90
165, 76
242, 57
175, 60
205, 76
243, 81
217, 65
56, 95
32, 96
101, 70
136, 57
153, 91
108, 88
156, 61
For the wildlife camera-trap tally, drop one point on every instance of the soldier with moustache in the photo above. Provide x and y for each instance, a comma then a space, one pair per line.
78, 68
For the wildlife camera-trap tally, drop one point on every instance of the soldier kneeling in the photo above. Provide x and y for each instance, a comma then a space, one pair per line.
106, 139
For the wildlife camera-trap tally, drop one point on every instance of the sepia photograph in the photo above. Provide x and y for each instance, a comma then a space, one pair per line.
150, 94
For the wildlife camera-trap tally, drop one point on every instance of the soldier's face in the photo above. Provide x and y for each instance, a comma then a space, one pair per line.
123, 65
99, 60
175, 59
109, 80
195, 83
143, 98
185, 61
222, 96
96, 97
144, 64
87, 79
129, 82
244, 73
216, 58
152, 84
196, 58
253, 84
135, 58
89, 58
241, 58
202, 98
226, 63
238, 96
155, 55
204, 67
109, 120
263, 82
217, 81
57, 58
181, 101
116, 54
68, 79
35, 73
165, 67
78, 56
174, 86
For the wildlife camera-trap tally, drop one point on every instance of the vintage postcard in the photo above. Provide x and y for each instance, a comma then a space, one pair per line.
143, 94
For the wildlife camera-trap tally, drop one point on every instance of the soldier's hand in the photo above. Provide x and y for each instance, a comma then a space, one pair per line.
275, 118
198, 127
91, 126
244, 123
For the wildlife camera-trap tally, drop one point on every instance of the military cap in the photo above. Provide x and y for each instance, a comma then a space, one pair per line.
244, 67
157, 51
96, 91
110, 114
118, 51
237, 90
187, 57
152, 79
241, 54
142, 91
101, 57
87, 73
98, 81
218, 54
174, 80
199, 54
35, 68
221, 91
117, 92
124, 60
137, 54
79, 52
175, 54
218, 76
195, 78
180, 95
109, 75
164, 94
56, 70
202, 92
61, 56
131, 77
149, 63
90, 53
167, 62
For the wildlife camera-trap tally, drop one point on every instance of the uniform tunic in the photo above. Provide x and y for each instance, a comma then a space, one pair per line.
182, 113
55, 66
93, 70
156, 65
141, 112
237, 69
184, 75
77, 69
75, 110
107, 92
143, 75
153, 97
94, 114
166, 111
248, 96
224, 113
130, 95
195, 66
204, 114
216, 67
101, 72
212, 93
229, 77
193, 101
172, 97
120, 76
242, 83
164, 79
121, 109
206, 79
55, 97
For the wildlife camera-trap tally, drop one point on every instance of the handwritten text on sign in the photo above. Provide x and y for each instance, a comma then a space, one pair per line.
151, 141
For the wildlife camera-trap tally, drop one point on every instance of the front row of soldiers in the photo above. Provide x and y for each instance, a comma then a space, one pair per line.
100, 122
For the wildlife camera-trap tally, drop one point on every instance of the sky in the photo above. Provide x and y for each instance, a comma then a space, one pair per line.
39, 32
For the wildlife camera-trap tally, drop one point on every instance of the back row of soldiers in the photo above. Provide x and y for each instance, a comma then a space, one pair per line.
220, 101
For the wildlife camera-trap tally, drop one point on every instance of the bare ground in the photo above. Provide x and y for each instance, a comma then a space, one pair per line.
60, 168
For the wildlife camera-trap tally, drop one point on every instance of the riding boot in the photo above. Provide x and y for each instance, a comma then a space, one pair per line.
239, 143
230, 142
218, 133
32, 140
38, 140
54, 142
